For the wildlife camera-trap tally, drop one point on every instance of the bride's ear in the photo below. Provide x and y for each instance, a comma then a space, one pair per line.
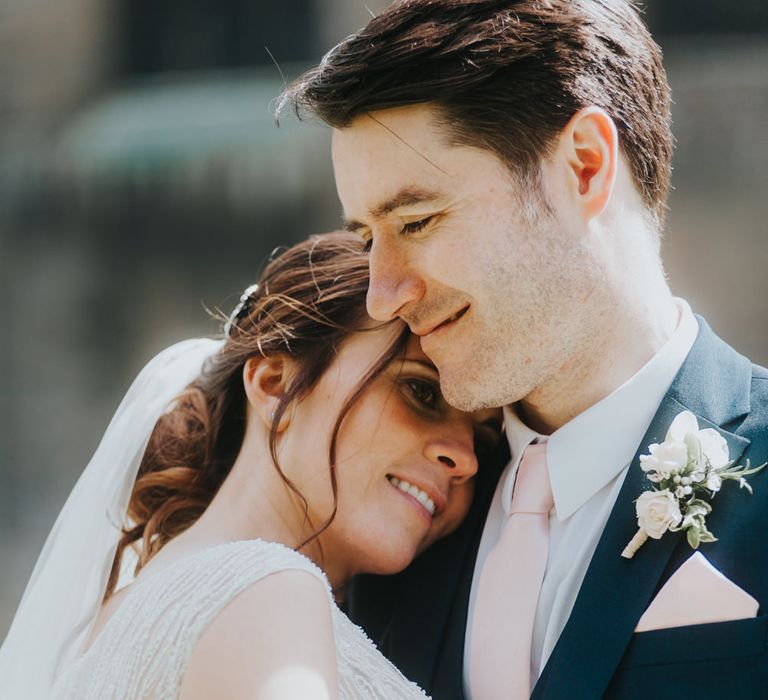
265, 380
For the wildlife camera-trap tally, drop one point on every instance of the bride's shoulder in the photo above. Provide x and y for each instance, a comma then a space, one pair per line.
230, 566
276, 633
260, 555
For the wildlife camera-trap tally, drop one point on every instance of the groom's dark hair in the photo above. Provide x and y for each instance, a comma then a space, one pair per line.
506, 76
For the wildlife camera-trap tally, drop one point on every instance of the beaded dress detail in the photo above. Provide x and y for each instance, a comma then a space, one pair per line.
143, 649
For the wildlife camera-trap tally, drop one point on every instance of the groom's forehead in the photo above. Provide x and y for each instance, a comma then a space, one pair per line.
379, 175
412, 136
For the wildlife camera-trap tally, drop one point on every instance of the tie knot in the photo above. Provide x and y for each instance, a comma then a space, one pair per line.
533, 491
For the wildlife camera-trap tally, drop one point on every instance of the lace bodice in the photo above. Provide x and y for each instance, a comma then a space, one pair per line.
143, 649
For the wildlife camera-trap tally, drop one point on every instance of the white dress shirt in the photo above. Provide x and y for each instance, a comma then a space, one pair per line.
588, 459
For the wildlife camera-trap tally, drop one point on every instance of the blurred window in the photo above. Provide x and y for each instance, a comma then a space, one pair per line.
172, 35
707, 16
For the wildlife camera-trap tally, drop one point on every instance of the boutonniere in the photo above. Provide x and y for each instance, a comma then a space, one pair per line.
689, 466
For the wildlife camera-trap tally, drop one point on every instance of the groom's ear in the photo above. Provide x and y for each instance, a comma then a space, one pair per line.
591, 148
265, 380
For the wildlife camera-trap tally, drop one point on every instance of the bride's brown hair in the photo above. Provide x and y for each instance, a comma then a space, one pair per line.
308, 300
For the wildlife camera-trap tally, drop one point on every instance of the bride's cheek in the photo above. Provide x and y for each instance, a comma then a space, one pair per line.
458, 506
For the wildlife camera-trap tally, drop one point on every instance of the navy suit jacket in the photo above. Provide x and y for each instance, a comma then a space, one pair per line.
418, 618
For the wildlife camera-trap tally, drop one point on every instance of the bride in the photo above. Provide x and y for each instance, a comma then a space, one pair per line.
239, 487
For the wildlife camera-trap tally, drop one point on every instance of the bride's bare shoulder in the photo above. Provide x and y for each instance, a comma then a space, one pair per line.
274, 640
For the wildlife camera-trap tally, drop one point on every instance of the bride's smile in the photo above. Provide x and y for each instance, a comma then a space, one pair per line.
404, 460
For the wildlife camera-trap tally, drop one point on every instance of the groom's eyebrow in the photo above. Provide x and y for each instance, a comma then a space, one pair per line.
406, 197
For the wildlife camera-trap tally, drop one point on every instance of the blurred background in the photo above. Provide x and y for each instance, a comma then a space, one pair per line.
142, 179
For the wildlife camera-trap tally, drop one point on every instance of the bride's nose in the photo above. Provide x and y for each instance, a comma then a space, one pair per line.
454, 454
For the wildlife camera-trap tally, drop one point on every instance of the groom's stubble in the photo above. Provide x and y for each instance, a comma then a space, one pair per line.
501, 244
536, 322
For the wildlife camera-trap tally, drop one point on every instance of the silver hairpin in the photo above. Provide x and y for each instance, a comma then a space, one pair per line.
244, 297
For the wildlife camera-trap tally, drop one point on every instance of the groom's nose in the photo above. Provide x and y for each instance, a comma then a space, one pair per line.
393, 283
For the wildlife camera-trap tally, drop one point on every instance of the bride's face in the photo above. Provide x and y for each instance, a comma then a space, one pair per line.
405, 458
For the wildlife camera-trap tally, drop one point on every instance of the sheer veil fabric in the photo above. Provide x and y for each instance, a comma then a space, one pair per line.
65, 591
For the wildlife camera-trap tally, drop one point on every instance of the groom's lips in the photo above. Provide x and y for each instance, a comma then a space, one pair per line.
429, 330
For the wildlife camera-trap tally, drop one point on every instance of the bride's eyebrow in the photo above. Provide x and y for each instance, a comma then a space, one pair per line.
427, 365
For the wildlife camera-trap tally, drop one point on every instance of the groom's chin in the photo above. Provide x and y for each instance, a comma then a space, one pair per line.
464, 394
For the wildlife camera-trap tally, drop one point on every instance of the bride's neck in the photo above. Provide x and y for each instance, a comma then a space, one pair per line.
252, 503
255, 502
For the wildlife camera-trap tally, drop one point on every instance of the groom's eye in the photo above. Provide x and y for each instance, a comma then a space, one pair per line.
367, 241
416, 226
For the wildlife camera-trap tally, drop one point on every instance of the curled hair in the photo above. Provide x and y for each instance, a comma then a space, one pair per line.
308, 300
506, 76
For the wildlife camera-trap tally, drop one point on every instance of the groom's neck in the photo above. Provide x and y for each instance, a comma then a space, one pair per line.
618, 348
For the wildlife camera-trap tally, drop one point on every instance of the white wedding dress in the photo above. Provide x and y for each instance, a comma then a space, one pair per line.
143, 649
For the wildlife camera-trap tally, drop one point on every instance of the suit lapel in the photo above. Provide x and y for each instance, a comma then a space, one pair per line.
714, 384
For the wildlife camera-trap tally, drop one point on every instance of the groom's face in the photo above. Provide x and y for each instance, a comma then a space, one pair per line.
480, 267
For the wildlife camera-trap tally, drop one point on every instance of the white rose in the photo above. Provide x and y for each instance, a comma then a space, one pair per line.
685, 422
714, 446
657, 511
665, 459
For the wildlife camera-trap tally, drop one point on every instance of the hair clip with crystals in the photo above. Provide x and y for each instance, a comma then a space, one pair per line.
238, 310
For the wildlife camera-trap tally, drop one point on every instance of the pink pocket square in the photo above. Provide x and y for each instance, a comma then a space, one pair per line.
695, 594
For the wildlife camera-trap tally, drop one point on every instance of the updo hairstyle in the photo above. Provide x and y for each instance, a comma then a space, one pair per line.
308, 301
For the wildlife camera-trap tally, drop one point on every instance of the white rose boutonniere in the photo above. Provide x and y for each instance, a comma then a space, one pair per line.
687, 466
657, 511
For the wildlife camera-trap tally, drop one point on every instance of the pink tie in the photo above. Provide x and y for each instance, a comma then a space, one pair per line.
510, 581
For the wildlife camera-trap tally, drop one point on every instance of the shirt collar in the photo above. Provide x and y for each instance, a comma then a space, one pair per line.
589, 451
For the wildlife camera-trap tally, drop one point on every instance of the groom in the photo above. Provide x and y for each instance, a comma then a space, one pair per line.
509, 164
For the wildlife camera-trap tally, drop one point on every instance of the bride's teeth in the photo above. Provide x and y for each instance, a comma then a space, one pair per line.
421, 496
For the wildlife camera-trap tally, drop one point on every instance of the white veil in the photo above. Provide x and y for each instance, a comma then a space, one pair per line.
65, 591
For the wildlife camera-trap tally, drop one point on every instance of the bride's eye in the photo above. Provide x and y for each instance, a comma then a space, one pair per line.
424, 393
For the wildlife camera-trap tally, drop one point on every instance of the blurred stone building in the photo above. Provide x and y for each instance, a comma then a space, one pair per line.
142, 181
